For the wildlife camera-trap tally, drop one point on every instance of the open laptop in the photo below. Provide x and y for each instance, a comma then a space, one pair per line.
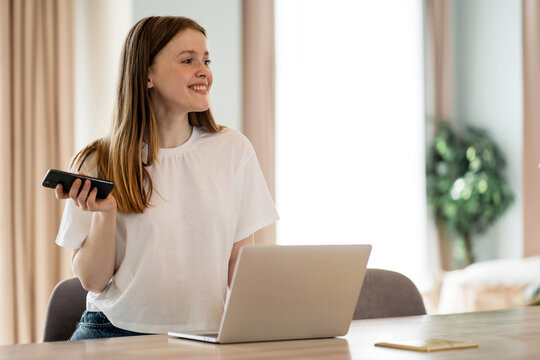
290, 292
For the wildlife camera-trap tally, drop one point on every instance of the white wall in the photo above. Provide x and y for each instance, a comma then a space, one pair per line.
488, 94
350, 128
100, 27
222, 20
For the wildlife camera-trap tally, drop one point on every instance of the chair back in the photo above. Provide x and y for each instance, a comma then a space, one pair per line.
384, 294
388, 294
66, 305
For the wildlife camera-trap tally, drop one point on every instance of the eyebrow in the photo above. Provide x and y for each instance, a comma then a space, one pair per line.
192, 52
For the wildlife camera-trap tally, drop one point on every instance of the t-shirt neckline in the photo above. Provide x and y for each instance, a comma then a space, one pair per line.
168, 152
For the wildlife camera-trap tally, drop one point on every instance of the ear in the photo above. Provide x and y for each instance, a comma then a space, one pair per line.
150, 82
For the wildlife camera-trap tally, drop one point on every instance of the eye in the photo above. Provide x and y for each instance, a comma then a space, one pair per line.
207, 62
187, 61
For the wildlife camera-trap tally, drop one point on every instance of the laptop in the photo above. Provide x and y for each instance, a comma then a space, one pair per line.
290, 292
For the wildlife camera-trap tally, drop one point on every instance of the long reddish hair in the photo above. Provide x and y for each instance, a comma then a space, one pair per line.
118, 157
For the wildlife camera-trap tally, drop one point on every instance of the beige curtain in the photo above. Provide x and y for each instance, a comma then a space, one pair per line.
439, 87
440, 53
36, 98
258, 92
531, 127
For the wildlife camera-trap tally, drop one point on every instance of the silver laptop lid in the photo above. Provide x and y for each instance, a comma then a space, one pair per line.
293, 292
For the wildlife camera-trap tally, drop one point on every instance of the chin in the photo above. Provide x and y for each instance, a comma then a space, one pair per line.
201, 108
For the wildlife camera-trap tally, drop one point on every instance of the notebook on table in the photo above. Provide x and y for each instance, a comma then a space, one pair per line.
290, 292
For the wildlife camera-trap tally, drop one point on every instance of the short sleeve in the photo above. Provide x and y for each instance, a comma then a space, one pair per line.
74, 227
256, 207
75, 224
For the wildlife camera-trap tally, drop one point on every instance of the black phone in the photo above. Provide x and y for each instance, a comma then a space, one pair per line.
55, 177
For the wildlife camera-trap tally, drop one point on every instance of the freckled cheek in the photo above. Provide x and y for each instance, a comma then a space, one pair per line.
173, 81
179, 77
182, 85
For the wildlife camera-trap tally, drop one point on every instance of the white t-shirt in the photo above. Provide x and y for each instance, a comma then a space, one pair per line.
172, 260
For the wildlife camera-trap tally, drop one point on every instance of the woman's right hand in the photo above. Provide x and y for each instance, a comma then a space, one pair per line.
85, 198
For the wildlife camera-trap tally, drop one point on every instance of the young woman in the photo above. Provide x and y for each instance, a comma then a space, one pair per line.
158, 253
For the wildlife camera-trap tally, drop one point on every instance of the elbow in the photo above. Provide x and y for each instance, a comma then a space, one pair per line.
90, 279
90, 283
92, 286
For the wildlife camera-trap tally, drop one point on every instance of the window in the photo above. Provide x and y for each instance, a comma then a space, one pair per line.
350, 128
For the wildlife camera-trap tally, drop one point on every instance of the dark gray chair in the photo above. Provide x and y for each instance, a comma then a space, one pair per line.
66, 305
384, 294
388, 294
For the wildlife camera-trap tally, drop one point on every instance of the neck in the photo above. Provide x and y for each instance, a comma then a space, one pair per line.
173, 130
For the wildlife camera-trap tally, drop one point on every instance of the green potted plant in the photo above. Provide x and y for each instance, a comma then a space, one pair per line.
466, 187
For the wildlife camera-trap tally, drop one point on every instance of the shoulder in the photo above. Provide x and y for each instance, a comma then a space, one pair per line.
87, 160
229, 141
85, 163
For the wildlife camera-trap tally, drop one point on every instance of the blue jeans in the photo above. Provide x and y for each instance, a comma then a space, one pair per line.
95, 325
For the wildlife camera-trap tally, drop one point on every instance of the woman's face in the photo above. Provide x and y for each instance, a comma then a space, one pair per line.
180, 76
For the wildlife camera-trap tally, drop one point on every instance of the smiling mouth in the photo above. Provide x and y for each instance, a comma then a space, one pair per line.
199, 88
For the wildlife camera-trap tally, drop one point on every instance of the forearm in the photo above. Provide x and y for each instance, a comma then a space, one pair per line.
94, 262
250, 240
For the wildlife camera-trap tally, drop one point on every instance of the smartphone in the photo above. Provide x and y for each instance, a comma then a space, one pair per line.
55, 177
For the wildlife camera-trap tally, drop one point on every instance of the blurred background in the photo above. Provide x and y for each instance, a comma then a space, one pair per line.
406, 124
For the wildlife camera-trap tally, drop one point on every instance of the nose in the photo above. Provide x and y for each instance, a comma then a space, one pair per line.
203, 71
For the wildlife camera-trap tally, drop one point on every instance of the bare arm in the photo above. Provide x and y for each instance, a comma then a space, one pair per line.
94, 262
234, 254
